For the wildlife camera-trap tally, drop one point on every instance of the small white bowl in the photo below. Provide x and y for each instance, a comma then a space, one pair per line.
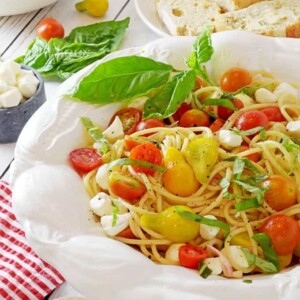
15, 7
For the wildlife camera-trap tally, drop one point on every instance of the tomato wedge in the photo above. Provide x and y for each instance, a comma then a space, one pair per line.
130, 117
190, 256
146, 152
84, 160
216, 125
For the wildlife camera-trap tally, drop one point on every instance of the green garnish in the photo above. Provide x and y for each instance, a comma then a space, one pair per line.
204, 270
250, 131
114, 214
247, 281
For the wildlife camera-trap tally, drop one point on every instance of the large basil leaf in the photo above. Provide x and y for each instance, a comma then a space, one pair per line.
62, 57
167, 101
121, 79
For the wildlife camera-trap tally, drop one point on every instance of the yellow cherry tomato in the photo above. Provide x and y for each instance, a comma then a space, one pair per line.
172, 156
180, 180
171, 225
95, 8
202, 154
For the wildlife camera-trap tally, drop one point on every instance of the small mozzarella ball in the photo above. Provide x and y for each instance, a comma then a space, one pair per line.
11, 98
208, 232
214, 263
114, 131
101, 204
238, 256
27, 87
263, 95
229, 139
7, 75
173, 252
102, 176
122, 222
293, 128
3, 87
285, 93
14, 66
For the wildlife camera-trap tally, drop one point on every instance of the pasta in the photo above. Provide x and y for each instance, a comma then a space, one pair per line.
232, 190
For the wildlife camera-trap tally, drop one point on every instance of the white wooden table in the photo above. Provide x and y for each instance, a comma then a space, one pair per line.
16, 32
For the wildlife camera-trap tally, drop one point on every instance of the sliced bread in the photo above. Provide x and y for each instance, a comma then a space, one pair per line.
280, 18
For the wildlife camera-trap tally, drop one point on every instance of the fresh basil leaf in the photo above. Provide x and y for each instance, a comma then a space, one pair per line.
246, 204
249, 132
122, 79
220, 102
168, 100
267, 247
62, 57
135, 162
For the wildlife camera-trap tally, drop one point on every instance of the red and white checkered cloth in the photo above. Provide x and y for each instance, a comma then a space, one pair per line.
23, 275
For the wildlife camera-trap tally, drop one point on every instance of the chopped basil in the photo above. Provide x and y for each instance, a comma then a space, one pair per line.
250, 131
247, 204
114, 214
220, 102
291, 147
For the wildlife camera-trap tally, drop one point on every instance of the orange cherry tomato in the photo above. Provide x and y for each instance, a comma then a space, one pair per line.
255, 157
126, 187
181, 110
130, 143
273, 114
216, 125
224, 112
251, 119
150, 123
198, 83
191, 255
130, 117
194, 118
50, 28
146, 152
84, 160
234, 79
281, 192
126, 233
284, 232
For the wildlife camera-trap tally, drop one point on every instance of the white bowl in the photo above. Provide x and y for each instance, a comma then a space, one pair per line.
15, 7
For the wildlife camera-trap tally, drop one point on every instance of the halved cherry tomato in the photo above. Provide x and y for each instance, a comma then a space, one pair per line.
130, 143
255, 157
85, 159
194, 118
224, 112
273, 114
181, 110
127, 233
50, 28
130, 117
235, 79
216, 125
150, 123
126, 187
284, 232
251, 119
191, 255
281, 192
146, 152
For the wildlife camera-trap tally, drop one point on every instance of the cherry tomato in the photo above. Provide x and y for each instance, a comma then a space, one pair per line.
150, 123
284, 232
130, 117
281, 192
191, 255
224, 112
84, 160
234, 79
181, 110
273, 114
198, 83
146, 152
194, 118
50, 28
126, 233
215, 181
216, 125
126, 187
130, 143
251, 119
255, 157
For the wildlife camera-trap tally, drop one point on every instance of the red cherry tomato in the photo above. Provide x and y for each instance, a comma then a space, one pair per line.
150, 123
273, 114
181, 110
281, 192
146, 152
191, 255
216, 125
84, 160
130, 143
284, 232
126, 187
130, 118
251, 119
194, 118
127, 233
234, 79
224, 112
255, 157
50, 28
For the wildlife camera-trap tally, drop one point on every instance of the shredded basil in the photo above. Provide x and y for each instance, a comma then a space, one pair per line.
250, 131
247, 204
291, 147
114, 214
220, 102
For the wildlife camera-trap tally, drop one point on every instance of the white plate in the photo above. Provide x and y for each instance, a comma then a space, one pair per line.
147, 11
50, 202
